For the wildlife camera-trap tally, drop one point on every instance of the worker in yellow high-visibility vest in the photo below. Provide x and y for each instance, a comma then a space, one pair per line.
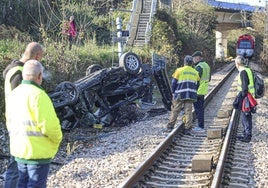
245, 86
33, 127
203, 70
13, 77
184, 90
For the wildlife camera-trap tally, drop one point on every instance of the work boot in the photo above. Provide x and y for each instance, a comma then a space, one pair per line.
187, 131
169, 126
198, 129
240, 136
246, 139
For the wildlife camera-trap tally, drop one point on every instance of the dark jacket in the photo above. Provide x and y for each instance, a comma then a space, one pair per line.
245, 83
237, 104
17, 77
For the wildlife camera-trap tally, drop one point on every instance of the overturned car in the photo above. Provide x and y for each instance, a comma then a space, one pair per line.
97, 97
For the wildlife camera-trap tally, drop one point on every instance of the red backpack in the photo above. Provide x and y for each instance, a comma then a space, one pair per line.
249, 104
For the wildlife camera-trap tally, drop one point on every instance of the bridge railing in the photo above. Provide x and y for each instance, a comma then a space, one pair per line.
149, 24
133, 10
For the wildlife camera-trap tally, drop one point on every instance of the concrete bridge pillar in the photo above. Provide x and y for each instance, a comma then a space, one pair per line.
221, 44
222, 28
225, 43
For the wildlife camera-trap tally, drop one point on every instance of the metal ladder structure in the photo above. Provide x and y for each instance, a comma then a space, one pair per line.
144, 22
140, 22
139, 26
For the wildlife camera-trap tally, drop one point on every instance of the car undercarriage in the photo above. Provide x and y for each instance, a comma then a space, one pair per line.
97, 97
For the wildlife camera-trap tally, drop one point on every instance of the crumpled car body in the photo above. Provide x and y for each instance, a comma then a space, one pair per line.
97, 96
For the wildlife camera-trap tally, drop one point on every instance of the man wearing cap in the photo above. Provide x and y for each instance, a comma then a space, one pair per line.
204, 73
184, 90
245, 85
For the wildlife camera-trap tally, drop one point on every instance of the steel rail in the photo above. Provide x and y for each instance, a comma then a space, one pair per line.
220, 165
141, 169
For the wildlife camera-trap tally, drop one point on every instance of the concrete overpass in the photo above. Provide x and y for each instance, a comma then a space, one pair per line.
230, 16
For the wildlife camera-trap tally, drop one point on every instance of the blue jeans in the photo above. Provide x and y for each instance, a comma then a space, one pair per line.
12, 174
199, 110
247, 123
32, 176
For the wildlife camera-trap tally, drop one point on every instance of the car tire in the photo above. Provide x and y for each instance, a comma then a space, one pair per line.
131, 62
69, 92
93, 68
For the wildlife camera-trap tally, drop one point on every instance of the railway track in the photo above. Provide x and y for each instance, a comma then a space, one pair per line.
195, 160
107, 159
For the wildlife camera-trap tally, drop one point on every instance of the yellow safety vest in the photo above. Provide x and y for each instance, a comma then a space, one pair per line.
32, 123
251, 88
204, 80
187, 78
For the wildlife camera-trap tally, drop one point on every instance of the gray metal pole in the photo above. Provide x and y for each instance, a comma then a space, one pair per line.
119, 35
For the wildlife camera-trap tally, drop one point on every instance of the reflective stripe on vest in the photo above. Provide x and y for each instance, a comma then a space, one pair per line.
204, 80
187, 78
251, 88
27, 128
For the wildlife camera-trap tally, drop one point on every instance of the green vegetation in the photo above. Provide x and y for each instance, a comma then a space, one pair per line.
190, 26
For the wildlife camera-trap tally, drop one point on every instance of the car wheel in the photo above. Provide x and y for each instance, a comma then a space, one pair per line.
131, 62
93, 68
69, 92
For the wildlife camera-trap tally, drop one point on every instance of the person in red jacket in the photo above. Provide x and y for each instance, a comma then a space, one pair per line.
71, 31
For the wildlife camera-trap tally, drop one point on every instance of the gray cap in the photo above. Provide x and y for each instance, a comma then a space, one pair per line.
197, 53
188, 60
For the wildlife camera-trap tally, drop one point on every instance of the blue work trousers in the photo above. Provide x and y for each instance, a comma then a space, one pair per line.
12, 174
199, 110
32, 176
247, 123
